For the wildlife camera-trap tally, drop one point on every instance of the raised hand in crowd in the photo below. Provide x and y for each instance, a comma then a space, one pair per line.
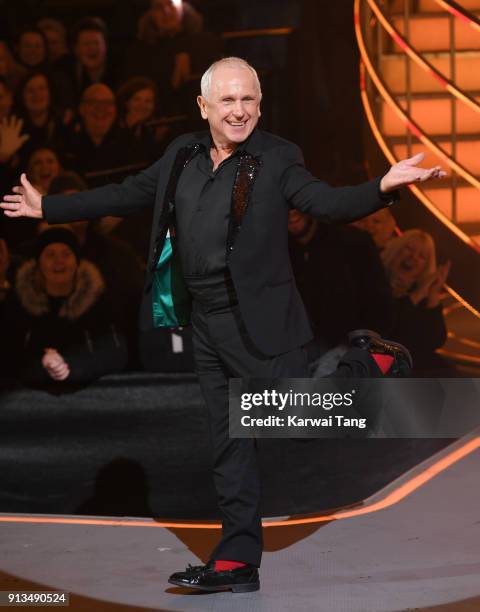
11, 138
27, 201
407, 171
55, 365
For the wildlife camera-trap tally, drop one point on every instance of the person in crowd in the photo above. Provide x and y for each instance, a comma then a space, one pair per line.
139, 112
417, 284
380, 225
341, 279
57, 47
58, 325
114, 257
161, 51
31, 48
42, 121
92, 61
96, 142
43, 166
10, 69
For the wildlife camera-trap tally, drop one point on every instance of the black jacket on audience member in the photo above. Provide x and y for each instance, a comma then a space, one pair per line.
80, 327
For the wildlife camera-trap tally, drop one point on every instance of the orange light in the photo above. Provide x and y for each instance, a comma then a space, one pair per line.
456, 13
409, 123
419, 194
422, 62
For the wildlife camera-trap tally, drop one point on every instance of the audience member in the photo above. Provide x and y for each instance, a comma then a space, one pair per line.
161, 51
92, 61
97, 143
43, 166
60, 326
417, 284
115, 259
139, 112
31, 48
56, 35
345, 260
42, 121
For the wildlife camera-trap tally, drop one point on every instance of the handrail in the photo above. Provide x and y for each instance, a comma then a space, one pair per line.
393, 160
421, 61
416, 191
408, 121
460, 12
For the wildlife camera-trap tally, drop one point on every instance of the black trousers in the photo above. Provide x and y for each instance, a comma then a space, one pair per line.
223, 350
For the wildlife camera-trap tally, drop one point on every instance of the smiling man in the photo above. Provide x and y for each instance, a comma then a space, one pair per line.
219, 258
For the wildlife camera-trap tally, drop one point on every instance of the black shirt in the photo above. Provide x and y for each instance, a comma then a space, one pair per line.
202, 205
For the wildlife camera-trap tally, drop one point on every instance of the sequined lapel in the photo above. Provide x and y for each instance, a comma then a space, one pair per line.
247, 170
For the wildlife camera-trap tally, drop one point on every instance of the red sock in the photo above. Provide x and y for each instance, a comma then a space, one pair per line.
384, 362
221, 565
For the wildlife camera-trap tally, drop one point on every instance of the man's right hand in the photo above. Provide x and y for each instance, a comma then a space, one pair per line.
26, 203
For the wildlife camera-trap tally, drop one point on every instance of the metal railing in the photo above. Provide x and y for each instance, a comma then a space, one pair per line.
374, 31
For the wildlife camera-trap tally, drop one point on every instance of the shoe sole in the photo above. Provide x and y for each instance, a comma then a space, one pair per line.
235, 588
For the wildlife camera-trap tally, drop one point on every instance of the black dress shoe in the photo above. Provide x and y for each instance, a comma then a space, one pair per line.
372, 342
205, 578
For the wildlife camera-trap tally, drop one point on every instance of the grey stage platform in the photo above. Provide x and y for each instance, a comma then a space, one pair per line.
421, 553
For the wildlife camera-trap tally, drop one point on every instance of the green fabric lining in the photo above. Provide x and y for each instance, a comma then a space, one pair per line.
162, 299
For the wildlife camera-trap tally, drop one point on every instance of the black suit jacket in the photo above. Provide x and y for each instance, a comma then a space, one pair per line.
271, 178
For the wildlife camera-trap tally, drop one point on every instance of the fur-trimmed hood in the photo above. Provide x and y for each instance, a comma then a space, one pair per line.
88, 288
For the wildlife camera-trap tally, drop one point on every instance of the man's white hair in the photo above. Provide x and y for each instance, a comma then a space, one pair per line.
206, 82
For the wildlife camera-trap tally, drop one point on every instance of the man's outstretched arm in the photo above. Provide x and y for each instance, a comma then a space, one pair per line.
346, 204
116, 199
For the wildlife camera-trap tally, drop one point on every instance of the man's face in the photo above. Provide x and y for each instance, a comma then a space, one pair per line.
98, 109
233, 105
91, 49
31, 49
36, 94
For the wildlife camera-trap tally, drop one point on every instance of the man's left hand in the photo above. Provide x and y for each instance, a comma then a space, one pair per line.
406, 171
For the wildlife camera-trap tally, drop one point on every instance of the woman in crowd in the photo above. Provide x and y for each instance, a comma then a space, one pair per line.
58, 324
138, 111
32, 50
417, 285
42, 121
43, 166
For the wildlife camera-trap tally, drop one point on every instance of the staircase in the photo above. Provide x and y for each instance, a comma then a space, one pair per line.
448, 38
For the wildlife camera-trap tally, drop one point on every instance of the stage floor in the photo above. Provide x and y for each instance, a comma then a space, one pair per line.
413, 545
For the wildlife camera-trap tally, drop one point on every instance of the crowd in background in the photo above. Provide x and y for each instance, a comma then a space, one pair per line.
76, 113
